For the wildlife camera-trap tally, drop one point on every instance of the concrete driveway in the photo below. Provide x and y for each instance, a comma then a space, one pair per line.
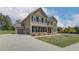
14, 42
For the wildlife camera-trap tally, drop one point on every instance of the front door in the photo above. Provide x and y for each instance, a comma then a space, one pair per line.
49, 30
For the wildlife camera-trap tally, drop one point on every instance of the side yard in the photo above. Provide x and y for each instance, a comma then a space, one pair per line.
62, 40
7, 32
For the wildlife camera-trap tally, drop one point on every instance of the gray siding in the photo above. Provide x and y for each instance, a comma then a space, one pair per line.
27, 25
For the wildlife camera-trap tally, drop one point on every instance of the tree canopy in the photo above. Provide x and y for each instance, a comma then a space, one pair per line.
68, 29
7, 23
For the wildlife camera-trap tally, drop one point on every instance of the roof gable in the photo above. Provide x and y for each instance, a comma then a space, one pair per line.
52, 19
41, 11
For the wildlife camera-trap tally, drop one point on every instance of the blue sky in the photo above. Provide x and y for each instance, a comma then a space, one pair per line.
66, 16
63, 12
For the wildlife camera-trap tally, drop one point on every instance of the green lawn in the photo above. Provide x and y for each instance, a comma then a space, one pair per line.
7, 32
62, 40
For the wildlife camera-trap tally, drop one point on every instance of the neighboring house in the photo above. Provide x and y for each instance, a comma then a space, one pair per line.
38, 23
19, 28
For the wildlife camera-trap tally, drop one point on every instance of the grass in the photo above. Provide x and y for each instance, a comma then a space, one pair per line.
7, 32
62, 40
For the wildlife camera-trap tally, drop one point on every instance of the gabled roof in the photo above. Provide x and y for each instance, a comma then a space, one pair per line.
40, 9
52, 19
36, 11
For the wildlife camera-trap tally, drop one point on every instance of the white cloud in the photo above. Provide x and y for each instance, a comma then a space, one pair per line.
74, 21
21, 12
17, 12
60, 23
46, 11
54, 13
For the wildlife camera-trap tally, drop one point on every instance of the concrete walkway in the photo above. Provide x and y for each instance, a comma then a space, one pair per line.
16, 42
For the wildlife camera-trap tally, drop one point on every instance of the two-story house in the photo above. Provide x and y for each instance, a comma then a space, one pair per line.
38, 23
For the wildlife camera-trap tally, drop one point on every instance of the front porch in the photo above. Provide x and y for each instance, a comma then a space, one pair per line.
38, 30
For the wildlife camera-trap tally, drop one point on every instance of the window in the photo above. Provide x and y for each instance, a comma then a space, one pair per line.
44, 29
37, 19
42, 20
33, 18
45, 20
34, 29
39, 29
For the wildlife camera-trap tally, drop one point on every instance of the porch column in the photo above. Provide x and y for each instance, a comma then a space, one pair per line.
37, 28
47, 30
51, 30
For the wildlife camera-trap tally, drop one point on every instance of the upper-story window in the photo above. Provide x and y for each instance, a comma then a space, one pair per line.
42, 20
37, 19
45, 20
33, 18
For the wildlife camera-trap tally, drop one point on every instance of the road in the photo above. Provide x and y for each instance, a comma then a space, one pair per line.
14, 42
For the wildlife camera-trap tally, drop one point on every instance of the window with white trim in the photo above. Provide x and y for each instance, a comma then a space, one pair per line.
33, 18
42, 20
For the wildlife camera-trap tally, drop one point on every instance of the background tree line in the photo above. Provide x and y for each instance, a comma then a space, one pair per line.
6, 22
69, 29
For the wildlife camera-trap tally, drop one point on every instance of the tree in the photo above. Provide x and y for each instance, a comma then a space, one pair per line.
60, 29
77, 29
7, 24
66, 30
69, 30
